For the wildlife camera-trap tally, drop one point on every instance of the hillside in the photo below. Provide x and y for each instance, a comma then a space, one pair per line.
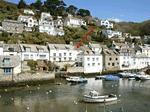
11, 11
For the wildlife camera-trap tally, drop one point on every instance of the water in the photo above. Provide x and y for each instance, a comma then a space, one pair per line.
133, 96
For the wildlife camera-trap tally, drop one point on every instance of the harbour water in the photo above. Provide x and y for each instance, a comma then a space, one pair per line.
133, 96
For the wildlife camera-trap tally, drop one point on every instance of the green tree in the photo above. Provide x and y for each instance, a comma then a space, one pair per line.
21, 4
72, 9
83, 12
38, 4
32, 64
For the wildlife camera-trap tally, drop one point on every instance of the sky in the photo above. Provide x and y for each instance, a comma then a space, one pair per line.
126, 10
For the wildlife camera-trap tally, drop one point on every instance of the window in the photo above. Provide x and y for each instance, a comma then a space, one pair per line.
54, 59
93, 59
42, 56
59, 54
41, 50
26, 56
70, 58
98, 63
88, 59
27, 49
64, 58
108, 63
116, 58
97, 59
80, 59
54, 54
134, 63
7, 70
70, 54
113, 64
110, 59
64, 54
118, 63
93, 64
88, 64
6, 60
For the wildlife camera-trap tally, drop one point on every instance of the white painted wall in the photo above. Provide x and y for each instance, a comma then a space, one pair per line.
1, 50
17, 69
63, 57
88, 61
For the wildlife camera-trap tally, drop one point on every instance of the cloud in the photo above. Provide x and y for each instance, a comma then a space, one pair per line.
122, 15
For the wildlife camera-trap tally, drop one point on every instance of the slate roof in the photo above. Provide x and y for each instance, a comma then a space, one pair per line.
34, 48
110, 52
11, 48
14, 61
61, 47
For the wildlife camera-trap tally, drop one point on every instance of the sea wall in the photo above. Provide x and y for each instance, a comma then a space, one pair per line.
25, 78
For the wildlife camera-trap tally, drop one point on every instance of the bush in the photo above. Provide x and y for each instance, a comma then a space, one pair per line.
32, 64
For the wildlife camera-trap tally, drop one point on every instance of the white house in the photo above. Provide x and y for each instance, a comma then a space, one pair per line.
126, 58
95, 47
126, 35
59, 32
140, 61
106, 23
46, 24
1, 47
28, 11
29, 22
11, 50
144, 49
110, 33
10, 65
135, 37
58, 23
71, 21
62, 52
34, 52
90, 61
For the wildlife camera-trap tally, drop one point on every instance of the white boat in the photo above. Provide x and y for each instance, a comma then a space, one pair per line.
142, 76
76, 79
127, 75
94, 97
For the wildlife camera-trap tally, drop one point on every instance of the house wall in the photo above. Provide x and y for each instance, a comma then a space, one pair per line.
17, 69
63, 57
1, 50
112, 62
91, 63
47, 29
12, 27
126, 60
34, 56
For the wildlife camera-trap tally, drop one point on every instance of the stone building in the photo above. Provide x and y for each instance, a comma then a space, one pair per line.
111, 59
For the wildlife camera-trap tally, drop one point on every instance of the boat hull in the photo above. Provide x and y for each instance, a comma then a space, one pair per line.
99, 100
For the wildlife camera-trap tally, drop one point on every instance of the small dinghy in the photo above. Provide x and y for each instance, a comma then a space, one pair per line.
94, 97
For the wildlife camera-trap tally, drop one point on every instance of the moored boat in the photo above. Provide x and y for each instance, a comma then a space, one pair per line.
94, 97
76, 80
111, 78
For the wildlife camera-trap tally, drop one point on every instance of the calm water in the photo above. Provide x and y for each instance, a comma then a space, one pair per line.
134, 97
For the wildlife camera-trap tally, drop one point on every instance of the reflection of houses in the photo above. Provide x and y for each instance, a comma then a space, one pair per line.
34, 52
110, 33
91, 61
71, 21
10, 64
28, 11
29, 22
111, 59
62, 52
105, 23
12, 26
